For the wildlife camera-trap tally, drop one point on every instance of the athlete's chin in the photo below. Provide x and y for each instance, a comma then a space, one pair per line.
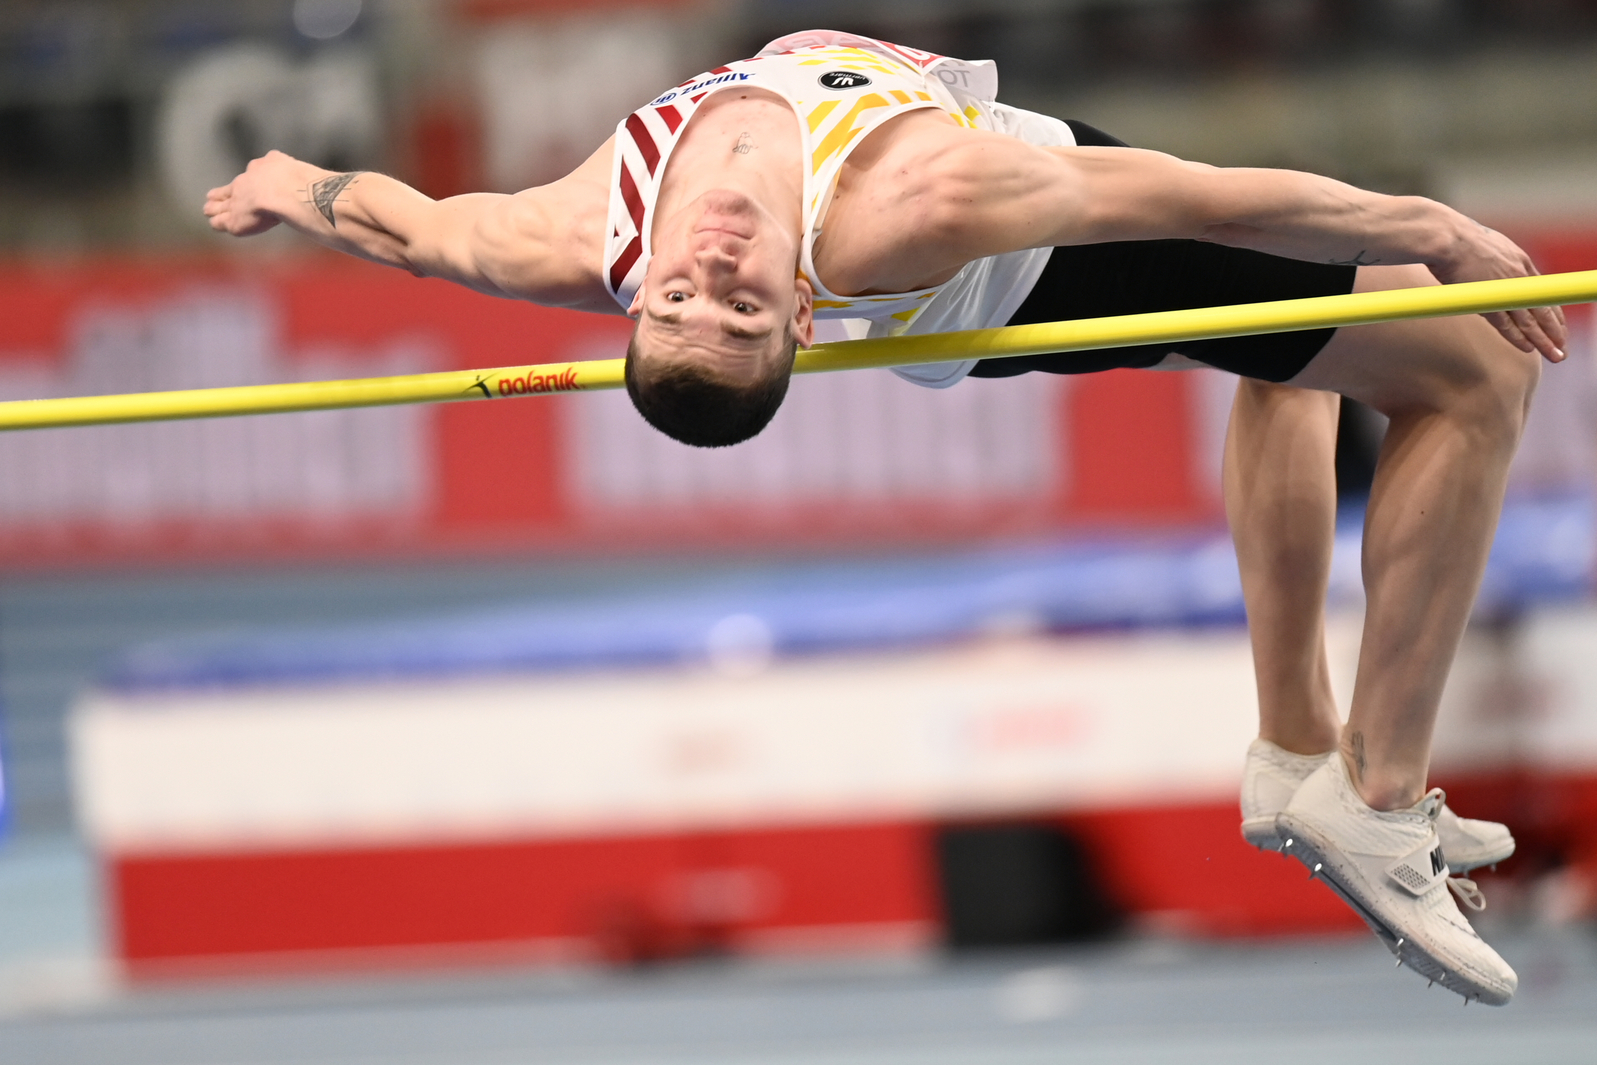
711, 234
728, 202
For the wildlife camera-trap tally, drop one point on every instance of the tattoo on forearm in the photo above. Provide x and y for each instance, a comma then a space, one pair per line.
1357, 260
325, 193
1356, 741
745, 144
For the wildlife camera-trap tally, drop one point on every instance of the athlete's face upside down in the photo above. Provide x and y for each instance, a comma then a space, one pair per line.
721, 290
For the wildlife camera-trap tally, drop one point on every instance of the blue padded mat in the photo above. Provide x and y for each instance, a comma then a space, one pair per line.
1543, 553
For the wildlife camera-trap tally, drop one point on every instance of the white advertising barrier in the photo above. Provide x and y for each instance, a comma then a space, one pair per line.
1524, 694
1005, 725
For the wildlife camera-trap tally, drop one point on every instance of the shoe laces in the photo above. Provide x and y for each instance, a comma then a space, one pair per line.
1431, 805
1468, 893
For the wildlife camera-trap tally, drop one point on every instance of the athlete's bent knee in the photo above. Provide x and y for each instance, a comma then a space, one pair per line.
1500, 400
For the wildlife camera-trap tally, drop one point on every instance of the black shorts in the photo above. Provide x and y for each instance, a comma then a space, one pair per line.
1136, 276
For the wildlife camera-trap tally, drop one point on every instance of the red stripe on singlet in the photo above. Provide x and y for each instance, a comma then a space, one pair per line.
634, 248
696, 99
629, 196
923, 63
645, 143
673, 117
623, 264
720, 70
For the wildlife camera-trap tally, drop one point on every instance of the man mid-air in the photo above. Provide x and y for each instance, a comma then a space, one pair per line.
838, 176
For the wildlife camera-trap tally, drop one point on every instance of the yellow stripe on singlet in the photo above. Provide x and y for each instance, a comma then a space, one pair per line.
845, 130
853, 59
818, 115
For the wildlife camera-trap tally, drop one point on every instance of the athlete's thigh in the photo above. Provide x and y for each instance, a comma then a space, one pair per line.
1421, 362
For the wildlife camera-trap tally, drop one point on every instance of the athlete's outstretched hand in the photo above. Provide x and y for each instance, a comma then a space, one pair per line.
242, 206
1488, 256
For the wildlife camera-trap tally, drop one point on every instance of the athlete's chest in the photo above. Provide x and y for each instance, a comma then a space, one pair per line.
734, 133
805, 104
876, 234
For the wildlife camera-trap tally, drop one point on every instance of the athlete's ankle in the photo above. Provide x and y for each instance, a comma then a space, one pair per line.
1312, 740
1381, 787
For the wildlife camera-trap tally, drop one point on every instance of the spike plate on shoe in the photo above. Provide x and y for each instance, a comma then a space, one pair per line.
1418, 960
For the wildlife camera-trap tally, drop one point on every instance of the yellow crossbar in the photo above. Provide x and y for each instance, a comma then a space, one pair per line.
1086, 334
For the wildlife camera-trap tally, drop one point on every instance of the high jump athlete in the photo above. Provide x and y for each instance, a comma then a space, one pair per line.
837, 176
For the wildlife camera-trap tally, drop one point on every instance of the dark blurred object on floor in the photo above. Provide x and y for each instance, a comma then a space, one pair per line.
1009, 885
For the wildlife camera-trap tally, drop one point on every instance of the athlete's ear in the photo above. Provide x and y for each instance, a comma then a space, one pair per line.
803, 312
637, 304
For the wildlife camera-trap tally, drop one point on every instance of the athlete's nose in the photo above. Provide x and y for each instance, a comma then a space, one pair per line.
716, 258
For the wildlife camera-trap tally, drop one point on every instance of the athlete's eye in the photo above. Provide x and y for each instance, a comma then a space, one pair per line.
743, 308
676, 297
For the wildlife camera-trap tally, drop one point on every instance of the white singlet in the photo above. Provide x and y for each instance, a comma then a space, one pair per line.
841, 86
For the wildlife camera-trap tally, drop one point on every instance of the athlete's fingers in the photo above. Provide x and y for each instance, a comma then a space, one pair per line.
1551, 325
1525, 336
217, 201
1530, 327
1535, 339
1534, 327
1552, 322
1526, 324
1544, 326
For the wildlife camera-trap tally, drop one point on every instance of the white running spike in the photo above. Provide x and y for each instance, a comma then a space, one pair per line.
1361, 843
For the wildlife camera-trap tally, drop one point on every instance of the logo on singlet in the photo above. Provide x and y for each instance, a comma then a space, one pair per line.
844, 79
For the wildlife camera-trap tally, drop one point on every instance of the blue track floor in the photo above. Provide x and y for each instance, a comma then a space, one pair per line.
1138, 1001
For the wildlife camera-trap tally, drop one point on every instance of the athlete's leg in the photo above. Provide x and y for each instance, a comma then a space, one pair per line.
1280, 498
1457, 395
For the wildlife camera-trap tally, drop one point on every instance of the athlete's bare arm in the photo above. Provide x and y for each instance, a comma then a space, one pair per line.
931, 196
544, 244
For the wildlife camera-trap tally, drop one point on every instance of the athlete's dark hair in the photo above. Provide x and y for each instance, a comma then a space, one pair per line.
689, 403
